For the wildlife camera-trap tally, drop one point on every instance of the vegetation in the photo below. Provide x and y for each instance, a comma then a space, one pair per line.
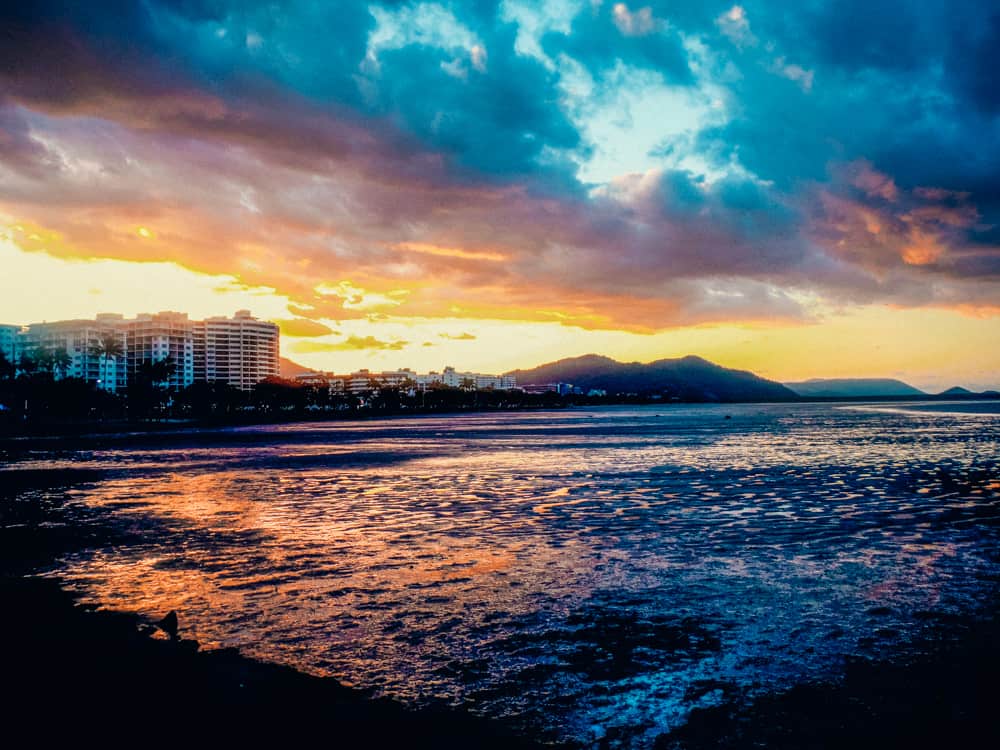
35, 396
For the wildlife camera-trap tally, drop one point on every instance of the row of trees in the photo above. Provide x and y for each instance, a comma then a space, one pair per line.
38, 387
35, 391
57, 361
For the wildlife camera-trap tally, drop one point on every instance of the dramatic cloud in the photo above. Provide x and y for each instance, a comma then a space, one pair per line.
479, 160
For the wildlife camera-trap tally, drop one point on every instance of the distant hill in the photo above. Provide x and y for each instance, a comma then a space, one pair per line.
688, 379
853, 388
957, 391
289, 369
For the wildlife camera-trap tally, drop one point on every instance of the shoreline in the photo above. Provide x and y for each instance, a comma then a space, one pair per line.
82, 664
72, 661
66, 434
70, 429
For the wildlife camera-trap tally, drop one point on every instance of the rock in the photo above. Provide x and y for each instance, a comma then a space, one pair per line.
168, 624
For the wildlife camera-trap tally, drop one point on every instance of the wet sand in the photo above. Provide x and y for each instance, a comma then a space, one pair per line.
946, 698
73, 674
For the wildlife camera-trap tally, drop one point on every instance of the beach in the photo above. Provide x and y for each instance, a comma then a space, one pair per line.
72, 671
80, 514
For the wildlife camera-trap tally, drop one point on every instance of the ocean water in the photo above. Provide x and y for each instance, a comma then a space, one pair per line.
581, 573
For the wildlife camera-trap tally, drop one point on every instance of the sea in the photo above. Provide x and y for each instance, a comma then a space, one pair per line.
587, 574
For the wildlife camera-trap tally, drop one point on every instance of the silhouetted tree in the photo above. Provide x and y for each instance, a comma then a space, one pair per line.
7, 369
61, 362
27, 363
108, 347
274, 394
213, 399
147, 393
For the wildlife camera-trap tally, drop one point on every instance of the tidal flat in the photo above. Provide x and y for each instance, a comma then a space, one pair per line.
672, 576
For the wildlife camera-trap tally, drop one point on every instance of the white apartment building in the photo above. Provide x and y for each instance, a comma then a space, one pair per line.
153, 338
240, 351
363, 381
109, 350
95, 350
477, 380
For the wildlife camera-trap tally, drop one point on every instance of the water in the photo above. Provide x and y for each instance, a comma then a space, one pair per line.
573, 572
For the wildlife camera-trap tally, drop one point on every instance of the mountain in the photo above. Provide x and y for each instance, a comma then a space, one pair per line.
853, 388
688, 379
957, 391
289, 369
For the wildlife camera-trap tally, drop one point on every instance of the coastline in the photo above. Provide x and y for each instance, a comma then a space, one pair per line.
16, 433
72, 668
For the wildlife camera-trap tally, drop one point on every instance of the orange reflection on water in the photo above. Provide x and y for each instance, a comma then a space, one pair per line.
434, 561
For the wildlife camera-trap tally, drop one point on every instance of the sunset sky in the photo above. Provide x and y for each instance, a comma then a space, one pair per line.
802, 189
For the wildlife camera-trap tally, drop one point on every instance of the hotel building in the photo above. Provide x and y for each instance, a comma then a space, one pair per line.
109, 350
240, 351
153, 338
86, 344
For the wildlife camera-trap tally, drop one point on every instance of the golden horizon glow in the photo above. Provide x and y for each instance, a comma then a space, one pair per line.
929, 348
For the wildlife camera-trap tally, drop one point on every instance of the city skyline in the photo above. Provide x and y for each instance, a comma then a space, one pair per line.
806, 192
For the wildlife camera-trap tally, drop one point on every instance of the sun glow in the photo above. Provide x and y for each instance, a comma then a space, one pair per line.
931, 348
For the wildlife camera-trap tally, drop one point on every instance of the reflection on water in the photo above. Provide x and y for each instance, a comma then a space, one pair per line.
574, 571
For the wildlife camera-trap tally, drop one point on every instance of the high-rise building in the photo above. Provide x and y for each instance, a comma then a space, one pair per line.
153, 338
92, 350
241, 351
108, 351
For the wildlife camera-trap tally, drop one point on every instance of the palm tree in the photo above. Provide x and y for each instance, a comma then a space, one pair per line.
28, 363
107, 347
60, 361
7, 368
157, 372
40, 359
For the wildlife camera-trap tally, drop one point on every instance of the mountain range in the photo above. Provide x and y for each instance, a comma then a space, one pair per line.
693, 378
853, 388
687, 379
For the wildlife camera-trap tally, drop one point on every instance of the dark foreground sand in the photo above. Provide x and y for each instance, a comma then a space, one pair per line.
78, 676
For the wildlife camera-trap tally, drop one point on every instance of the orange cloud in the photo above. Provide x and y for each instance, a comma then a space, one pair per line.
303, 328
352, 343
449, 252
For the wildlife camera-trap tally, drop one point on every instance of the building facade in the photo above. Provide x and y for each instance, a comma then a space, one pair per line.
154, 338
365, 381
241, 351
110, 350
92, 350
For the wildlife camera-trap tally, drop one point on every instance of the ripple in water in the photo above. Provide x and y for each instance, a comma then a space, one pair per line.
574, 572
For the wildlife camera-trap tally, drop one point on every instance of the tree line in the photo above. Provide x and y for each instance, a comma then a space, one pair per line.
37, 391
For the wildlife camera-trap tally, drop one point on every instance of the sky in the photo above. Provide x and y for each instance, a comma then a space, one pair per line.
803, 190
